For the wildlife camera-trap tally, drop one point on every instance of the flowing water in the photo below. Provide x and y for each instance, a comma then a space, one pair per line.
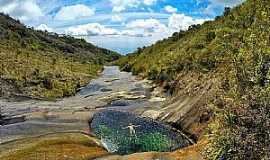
112, 90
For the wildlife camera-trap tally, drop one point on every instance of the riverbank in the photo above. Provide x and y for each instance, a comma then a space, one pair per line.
114, 90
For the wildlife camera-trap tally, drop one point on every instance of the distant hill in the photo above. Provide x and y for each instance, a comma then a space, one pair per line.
221, 70
42, 64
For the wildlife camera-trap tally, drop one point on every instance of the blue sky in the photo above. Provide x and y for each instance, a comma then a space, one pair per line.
120, 25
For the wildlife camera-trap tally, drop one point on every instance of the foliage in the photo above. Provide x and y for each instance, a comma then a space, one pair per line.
42, 64
234, 48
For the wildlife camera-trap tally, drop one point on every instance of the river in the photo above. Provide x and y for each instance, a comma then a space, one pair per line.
113, 89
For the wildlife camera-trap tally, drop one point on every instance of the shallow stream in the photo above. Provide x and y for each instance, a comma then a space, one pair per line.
114, 103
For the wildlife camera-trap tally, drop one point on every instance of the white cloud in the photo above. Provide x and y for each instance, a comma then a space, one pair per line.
147, 26
170, 9
214, 4
24, 10
150, 27
74, 12
121, 5
96, 29
179, 22
116, 18
134, 33
91, 29
228, 3
44, 27
149, 2
138, 28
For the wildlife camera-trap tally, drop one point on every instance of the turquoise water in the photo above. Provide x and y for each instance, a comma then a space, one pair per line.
112, 127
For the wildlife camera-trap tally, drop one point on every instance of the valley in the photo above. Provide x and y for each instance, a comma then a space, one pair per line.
201, 93
113, 90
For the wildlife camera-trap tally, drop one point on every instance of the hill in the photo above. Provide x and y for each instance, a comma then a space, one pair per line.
218, 75
47, 65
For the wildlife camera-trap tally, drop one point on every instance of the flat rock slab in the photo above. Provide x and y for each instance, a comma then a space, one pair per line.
57, 146
126, 133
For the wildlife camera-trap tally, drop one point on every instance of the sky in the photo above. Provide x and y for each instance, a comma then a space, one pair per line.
119, 25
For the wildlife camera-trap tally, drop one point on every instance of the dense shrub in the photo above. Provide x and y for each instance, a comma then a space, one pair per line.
235, 49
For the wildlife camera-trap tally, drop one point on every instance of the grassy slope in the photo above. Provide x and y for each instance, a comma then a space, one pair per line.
42, 64
232, 51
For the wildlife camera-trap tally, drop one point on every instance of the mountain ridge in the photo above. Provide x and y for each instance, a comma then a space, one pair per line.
41, 64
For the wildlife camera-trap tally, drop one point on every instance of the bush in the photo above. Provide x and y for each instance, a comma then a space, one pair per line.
210, 36
48, 83
153, 74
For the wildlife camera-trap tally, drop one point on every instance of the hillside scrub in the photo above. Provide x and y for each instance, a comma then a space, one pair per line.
45, 65
234, 51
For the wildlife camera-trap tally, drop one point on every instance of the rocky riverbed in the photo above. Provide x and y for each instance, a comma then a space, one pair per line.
120, 94
112, 90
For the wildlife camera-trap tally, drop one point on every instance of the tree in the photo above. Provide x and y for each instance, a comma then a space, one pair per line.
175, 36
139, 50
227, 11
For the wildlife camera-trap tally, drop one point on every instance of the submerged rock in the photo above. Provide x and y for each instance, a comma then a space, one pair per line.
111, 80
91, 88
120, 103
127, 133
106, 90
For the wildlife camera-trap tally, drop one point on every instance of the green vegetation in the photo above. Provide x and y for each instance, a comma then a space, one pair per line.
124, 143
41, 64
233, 51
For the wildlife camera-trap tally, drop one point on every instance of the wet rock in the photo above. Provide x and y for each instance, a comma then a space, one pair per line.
90, 95
91, 88
111, 80
120, 103
121, 95
151, 114
6, 120
105, 90
134, 97
157, 99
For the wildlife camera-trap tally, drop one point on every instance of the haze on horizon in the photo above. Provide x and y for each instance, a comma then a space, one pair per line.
119, 25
